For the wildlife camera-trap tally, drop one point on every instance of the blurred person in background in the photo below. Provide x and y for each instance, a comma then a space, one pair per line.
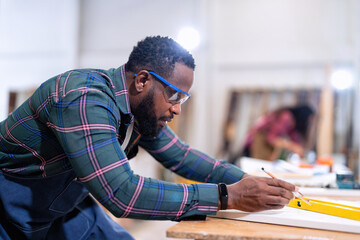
71, 143
285, 130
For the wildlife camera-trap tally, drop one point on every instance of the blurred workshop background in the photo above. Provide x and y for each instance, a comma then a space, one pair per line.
252, 56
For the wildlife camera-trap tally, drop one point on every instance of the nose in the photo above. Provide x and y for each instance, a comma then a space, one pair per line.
176, 109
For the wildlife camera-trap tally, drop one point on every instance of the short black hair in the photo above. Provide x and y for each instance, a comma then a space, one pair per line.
158, 54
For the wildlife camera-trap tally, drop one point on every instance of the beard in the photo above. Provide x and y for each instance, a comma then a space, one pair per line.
147, 122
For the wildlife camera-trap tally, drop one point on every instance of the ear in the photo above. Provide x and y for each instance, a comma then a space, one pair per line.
142, 80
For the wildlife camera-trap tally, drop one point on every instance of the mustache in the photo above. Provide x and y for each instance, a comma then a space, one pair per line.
167, 118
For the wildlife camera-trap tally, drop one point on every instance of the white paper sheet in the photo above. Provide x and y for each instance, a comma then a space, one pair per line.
296, 217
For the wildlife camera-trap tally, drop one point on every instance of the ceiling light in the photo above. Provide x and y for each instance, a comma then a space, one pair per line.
189, 38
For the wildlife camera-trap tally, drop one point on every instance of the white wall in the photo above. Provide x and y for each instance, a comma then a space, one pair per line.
285, 44
245, 43
37, 41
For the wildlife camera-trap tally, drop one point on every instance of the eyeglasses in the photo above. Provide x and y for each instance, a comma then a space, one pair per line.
173, 94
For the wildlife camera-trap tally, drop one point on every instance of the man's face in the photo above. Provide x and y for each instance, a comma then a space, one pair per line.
154, 111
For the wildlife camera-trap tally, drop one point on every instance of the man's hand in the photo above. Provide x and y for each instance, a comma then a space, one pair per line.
259, 193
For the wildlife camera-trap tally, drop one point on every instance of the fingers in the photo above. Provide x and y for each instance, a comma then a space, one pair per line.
260, 193
281, 192
280, 188
271, 202
281, 183
276, 200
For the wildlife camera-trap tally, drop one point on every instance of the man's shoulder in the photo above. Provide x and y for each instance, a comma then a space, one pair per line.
90, 78
88, 73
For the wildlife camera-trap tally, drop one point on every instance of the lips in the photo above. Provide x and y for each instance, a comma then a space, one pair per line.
163, 121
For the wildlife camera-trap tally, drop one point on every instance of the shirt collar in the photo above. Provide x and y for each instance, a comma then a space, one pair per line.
121, 92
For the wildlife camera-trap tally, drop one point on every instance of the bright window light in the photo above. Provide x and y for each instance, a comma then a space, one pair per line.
342, 79
189, 38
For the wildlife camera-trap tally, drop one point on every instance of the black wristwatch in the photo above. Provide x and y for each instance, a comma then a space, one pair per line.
223, 196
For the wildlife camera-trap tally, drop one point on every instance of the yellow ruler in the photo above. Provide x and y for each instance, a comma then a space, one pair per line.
330, 208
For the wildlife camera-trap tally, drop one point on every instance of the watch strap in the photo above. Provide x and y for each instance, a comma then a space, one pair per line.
223, 196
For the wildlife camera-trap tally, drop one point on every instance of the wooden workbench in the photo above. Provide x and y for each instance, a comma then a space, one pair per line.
226, 229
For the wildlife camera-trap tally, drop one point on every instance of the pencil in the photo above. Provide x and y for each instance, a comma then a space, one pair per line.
300, 196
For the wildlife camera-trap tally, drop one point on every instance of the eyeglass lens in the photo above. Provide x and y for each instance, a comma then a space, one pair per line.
174, 96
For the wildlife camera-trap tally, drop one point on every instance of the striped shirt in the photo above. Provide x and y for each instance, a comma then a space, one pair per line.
78, 120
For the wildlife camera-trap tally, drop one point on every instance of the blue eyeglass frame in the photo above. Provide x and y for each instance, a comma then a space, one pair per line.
167, 83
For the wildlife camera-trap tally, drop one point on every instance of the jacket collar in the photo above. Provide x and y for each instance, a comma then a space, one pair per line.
121, 92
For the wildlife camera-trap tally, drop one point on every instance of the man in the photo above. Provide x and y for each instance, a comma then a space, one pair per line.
75, 135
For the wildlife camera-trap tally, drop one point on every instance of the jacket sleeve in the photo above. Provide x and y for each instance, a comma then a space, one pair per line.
190, 163
86, 123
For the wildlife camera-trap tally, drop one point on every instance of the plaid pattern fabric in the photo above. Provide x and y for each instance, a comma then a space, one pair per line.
78, 120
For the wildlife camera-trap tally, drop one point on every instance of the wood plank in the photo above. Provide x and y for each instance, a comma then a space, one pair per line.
214, 228
326, 118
